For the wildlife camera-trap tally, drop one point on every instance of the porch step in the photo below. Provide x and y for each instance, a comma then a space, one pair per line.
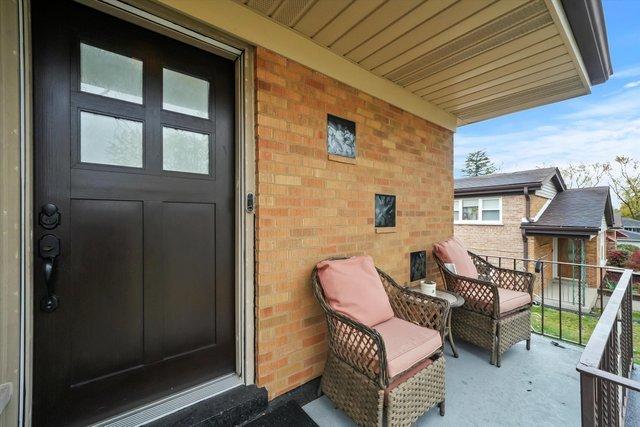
234, 407
287, 414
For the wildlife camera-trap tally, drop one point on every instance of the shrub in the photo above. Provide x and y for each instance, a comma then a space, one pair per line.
634, 261
618, 258
625, 247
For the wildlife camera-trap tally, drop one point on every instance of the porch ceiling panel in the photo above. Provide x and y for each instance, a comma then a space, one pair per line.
476, 59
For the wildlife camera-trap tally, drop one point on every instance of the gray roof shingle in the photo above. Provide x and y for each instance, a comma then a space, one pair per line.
629, 235
533, 176
630, 222
577, 208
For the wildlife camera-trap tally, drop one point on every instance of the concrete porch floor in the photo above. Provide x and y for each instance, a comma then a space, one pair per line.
532, 388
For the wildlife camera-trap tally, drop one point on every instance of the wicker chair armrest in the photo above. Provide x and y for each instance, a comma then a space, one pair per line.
505, 278
418, 308
483, 266
514, 280
479, 295
359, 346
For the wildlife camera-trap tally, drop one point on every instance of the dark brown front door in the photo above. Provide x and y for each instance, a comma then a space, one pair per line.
134, 215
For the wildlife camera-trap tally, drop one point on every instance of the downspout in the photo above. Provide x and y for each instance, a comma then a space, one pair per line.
527, 215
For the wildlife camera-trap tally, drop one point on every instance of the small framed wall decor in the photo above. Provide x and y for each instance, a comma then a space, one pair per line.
341, 139
418, 266
385, 213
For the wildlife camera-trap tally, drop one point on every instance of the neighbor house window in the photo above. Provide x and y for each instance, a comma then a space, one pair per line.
470, 209
478, 211
491, 209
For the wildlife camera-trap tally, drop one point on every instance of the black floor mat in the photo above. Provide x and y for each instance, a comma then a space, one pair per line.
289, 414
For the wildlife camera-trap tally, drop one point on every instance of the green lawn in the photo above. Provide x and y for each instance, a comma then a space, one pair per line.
570, 326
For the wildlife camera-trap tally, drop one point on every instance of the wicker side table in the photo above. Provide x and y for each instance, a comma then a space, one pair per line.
455, 300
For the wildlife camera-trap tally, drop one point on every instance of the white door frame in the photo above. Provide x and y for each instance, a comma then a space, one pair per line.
162, 20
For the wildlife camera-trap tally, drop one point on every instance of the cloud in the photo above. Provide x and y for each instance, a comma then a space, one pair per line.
633, 71
623, 104
593, 132
632, 84
576, 142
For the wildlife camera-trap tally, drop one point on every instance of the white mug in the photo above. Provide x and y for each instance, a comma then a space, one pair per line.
428, 288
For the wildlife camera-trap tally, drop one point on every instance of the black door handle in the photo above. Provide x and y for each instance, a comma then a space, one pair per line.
49, 249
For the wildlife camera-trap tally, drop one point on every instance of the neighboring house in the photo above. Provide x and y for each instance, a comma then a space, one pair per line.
532, 215
627, 231
630, 224
626, 237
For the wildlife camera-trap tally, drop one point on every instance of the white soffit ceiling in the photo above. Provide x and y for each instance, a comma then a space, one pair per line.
476, 59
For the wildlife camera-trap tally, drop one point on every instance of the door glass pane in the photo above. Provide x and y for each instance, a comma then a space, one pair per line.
470, 210
110, 74
110, 141
185, 94
185, 151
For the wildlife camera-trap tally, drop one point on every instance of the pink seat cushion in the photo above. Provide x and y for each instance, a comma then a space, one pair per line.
352, 287
453, 251
406, 344
510, 300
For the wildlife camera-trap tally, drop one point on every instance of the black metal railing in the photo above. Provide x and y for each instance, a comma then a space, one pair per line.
607, 361
565, 294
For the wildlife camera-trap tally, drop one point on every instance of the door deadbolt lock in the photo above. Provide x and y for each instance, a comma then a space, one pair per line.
49, 216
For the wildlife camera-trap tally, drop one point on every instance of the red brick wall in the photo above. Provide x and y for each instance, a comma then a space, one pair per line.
310, 208
541, 247
497, 240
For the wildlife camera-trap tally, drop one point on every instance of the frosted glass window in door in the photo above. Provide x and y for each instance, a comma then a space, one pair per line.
110, 140
185, 94
110, 74
185, 151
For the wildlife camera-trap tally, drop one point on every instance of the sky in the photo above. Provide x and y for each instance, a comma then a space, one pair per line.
590, 129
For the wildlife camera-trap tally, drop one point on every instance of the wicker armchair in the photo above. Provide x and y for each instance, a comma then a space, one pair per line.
480, 320
356, 377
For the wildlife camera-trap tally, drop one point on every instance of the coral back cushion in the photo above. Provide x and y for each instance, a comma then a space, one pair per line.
352, 287
453, 251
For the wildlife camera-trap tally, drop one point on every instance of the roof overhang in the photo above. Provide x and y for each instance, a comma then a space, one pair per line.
498, 189
513, 188
586, 19
609, 215
450, 62
532, 229
558, 181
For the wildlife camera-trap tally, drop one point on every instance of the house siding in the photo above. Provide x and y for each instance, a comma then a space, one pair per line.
497, 240
310, 208
548, 190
